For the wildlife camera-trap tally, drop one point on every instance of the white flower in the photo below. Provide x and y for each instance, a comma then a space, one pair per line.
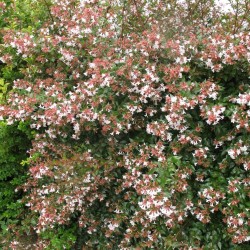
232, 153
152, 215
113, 226
92, 65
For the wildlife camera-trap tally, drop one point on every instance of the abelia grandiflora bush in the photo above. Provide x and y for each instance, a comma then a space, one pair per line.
141, 139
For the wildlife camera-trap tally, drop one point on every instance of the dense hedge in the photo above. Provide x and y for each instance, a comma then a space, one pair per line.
139, 112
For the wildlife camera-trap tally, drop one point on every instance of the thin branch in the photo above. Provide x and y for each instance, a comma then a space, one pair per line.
123, 10
48, 8
236, 18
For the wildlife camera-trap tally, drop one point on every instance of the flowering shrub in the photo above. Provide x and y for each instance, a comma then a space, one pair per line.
141, 133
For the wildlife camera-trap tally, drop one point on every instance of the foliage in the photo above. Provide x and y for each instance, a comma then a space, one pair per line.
15, 138
141, 116
14, 144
